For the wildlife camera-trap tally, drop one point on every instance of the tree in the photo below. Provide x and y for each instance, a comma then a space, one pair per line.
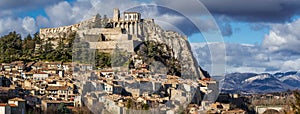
28, 47
145, 106
151, 51
119, 57
62, 109
36, 38
103, 60
129, 103
10, 47
13, 48
296, 103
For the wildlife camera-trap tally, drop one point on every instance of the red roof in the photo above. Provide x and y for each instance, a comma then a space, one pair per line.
16, 99
12, 105
3, 104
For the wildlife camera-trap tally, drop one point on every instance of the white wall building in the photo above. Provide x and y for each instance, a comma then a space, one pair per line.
5, 108
40, 76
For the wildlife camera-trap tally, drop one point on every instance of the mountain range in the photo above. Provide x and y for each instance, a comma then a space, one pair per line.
249, 83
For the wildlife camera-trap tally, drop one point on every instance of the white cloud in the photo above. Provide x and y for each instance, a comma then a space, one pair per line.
248, 58
278, 52
60, 14
42, 21
24, 26
64, 13
29, 25
291, 65
283, 37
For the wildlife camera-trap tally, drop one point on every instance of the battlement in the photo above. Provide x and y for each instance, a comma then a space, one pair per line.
129, 23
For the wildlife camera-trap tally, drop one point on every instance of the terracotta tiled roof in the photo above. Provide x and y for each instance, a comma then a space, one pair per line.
12, 105
3, 104
16, 99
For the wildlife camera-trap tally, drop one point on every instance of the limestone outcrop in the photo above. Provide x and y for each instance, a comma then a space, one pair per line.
127, 32
180, 45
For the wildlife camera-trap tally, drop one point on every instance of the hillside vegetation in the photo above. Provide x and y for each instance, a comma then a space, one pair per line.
13, 48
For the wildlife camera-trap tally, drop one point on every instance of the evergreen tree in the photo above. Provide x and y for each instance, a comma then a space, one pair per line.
10, 47
28, 47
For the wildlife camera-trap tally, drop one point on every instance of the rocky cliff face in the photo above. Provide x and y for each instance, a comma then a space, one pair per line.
181, 49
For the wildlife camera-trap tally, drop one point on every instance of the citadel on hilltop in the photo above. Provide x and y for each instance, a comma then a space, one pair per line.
103, 33
126, 33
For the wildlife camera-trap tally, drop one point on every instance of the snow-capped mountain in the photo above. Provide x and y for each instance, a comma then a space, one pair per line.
260, 83
290, 78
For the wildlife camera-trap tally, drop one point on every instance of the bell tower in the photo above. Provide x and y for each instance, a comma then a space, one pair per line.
116, 15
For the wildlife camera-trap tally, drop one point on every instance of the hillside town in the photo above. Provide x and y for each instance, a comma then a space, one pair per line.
179, 85
44, 86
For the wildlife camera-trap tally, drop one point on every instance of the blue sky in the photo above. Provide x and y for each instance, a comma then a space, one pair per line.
270, 28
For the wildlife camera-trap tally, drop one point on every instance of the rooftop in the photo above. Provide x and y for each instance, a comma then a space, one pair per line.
3, 104
16, 99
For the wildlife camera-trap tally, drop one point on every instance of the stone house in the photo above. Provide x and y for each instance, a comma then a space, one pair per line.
37, 66
40, 76
18, 105
5, 108
108, 88
59, 92
6, 67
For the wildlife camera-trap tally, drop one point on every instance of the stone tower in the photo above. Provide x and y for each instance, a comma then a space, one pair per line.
116, 15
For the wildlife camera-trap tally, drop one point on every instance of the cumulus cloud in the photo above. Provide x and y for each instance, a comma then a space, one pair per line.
23, 26
65, 13
9, 15
284, 38
279, 51
25, 4
29, 25
246, 58
42, 21
253, 11
61, 13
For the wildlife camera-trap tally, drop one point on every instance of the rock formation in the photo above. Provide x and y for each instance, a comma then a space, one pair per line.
126, 33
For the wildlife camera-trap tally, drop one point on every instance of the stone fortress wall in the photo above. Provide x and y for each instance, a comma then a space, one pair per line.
123, 32
127, 32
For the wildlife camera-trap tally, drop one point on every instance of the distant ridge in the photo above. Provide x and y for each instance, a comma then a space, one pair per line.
260, 83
